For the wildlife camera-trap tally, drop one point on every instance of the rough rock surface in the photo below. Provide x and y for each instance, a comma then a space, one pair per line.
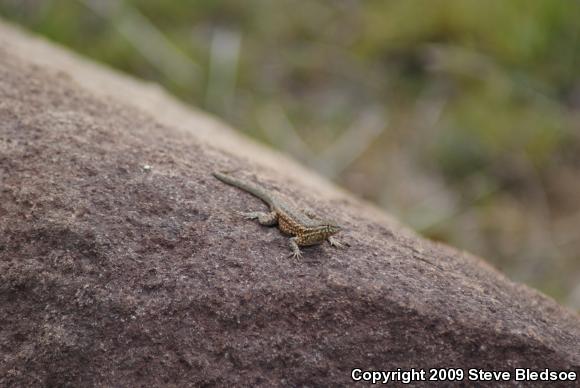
116, 274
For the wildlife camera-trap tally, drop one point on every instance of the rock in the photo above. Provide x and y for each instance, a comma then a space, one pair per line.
123, 263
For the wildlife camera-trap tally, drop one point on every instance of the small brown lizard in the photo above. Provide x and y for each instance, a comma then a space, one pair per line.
305, 227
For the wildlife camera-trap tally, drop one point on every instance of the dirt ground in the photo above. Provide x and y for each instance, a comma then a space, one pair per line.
123, 262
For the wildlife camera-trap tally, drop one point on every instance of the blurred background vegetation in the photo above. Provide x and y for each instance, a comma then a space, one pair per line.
461, 117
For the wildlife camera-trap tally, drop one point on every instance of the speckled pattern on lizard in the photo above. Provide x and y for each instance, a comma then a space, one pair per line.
304, 227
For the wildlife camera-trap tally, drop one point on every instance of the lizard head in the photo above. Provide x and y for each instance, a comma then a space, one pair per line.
329, 228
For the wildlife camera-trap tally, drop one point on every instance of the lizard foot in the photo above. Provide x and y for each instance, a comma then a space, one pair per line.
335, 243
296, 253
248, 215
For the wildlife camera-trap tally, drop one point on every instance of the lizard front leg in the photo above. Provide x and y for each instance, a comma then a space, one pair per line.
266, 219
334, 242
296, 252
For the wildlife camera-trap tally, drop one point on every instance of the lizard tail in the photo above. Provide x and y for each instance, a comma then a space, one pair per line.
251, 188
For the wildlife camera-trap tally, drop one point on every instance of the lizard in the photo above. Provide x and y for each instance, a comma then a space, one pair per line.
304, 227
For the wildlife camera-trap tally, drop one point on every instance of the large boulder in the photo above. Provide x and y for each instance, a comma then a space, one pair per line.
123, 262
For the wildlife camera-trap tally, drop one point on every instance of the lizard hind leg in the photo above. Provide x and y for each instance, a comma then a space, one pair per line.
266, 219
